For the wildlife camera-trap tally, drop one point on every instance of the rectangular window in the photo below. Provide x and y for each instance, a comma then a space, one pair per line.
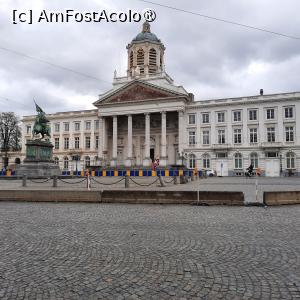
96, 124
192, 137
253, 115
56, 143
88, 125
288, 112
97, 141
66, 143
237, 136
221, 117
66, 126
253, 135
237, 116
192, 119
271, 134
205, 137
221, 136
289, 134
270, 113
206, 162
87, 142
56, 127
28, 129
77, 126
205, 118
77, 142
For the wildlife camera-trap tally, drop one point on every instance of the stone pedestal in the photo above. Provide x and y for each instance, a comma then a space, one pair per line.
38, 161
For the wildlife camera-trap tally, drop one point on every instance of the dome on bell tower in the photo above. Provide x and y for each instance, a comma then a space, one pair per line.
146, 35
145, 54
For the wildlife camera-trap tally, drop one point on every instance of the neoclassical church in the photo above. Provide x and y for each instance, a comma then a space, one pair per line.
145, 116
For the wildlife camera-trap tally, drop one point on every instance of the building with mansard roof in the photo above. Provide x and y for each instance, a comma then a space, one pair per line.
145, 116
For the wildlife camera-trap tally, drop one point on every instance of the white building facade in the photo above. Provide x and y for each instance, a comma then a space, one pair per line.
146, 116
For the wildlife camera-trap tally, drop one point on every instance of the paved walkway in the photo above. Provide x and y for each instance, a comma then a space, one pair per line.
253, 188
102, 251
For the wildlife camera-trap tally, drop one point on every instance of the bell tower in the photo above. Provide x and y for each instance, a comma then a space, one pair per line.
145, 54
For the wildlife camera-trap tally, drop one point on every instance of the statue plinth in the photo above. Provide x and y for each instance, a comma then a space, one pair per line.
38, 161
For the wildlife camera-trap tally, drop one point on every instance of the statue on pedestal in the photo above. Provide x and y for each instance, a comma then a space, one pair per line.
38, 161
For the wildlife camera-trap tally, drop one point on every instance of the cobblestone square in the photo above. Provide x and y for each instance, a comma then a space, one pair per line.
112, 251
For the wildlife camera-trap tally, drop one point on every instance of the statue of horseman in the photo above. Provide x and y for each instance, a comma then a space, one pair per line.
41, 123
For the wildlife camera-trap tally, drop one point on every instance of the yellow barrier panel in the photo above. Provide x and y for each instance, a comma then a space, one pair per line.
153, 173
8, 173
180, 172
128, 172
140, 173
167, 173
104, 173
82, 173
116, 173
93, 173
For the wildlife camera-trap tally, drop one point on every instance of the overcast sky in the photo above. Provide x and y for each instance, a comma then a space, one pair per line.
209, 58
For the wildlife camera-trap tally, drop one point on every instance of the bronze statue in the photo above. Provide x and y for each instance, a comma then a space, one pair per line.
40, 125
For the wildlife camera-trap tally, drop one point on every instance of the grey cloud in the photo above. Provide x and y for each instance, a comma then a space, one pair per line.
209, 58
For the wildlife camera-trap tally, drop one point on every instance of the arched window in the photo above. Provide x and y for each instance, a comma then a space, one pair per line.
131, 59
206, 161
140, 60
87, 161
290, 160
152, 61
56, 160
254, 160
238, 161
192, 161
66, 163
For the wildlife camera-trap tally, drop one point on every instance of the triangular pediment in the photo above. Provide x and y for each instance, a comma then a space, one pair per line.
136, 92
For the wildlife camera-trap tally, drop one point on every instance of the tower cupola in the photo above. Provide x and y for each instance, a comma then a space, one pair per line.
145, 54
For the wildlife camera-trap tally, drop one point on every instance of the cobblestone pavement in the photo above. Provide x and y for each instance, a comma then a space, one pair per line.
112, 251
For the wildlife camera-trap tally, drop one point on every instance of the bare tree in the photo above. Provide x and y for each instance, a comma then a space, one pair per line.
10, 134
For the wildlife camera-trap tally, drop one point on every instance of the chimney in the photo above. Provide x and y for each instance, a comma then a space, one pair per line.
261, 92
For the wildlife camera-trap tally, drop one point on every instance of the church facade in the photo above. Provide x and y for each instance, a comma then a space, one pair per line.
145, 116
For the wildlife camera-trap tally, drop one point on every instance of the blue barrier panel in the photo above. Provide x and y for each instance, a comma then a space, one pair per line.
171, 173
108, 173
158, 172
136, 173
162, 173
176, 173
63, 173
149, 173
200, 173
145, 173
96, 173
121, 173
131, 172
100, 173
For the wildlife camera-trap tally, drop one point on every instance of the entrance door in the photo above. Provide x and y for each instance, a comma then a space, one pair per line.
272, 167
152, 154
221, 168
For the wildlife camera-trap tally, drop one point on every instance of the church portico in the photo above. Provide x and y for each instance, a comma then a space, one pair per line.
138, 139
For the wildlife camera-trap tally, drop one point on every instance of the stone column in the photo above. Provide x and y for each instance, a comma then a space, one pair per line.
146, 161
113, 162
163, 152
128, 162
181, 137
101, 141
